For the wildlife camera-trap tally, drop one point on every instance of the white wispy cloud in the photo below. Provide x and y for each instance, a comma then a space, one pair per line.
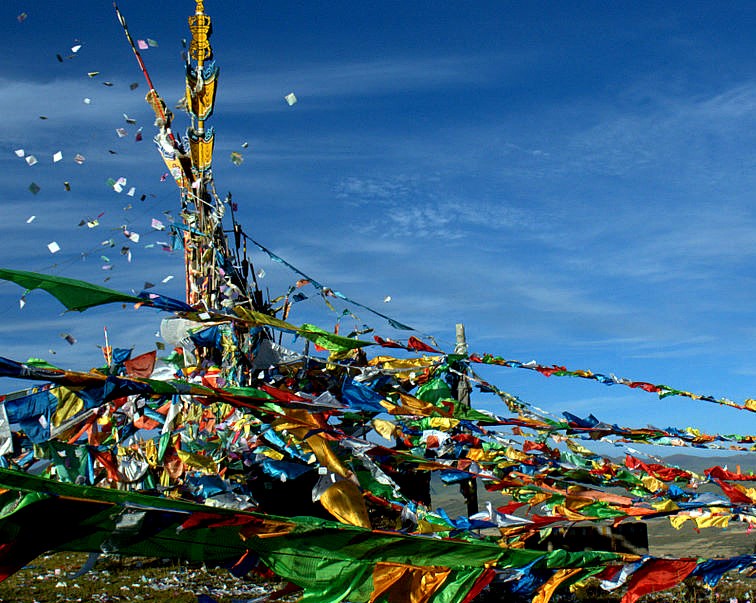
317, 83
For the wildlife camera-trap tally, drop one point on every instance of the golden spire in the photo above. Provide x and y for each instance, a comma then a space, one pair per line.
200, 25
200, 90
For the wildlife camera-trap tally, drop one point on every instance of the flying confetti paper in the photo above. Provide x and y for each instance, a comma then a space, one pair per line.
19, 153
22, 17
142, 45
131, 192
31, 160
58, 156
87, 101
121, 132
119, 184
152, 43
31, 219
76, 48
236, 158
79, 158
93, 73
34, 188
387, 299
167, 278
129, 120
69, 338
157, 224
138, 136
67, 186
291, 98
53, 247
133, 85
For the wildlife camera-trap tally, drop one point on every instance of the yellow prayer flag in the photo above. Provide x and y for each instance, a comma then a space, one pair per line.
69, 404
202, 463
344, 501
665, 505
546, 591
386, 429
400, 582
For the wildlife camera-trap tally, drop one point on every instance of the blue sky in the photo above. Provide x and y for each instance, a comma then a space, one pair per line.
573, 181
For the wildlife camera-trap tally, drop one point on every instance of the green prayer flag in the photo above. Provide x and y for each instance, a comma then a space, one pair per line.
330, 341
434, 391
72, 293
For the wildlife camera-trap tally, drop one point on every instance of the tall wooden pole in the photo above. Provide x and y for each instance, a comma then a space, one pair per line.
469, 487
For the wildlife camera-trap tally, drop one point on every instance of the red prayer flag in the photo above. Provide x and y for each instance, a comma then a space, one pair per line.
413, 343
656, 575
141, 366
484, 579
548, 371
649, 387
734, 493
386, 343
720, 473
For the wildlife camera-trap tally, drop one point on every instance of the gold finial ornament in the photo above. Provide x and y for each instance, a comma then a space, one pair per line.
200, 7
200, 25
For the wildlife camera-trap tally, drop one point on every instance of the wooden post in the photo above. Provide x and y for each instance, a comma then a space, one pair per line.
463, 385
469, 487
